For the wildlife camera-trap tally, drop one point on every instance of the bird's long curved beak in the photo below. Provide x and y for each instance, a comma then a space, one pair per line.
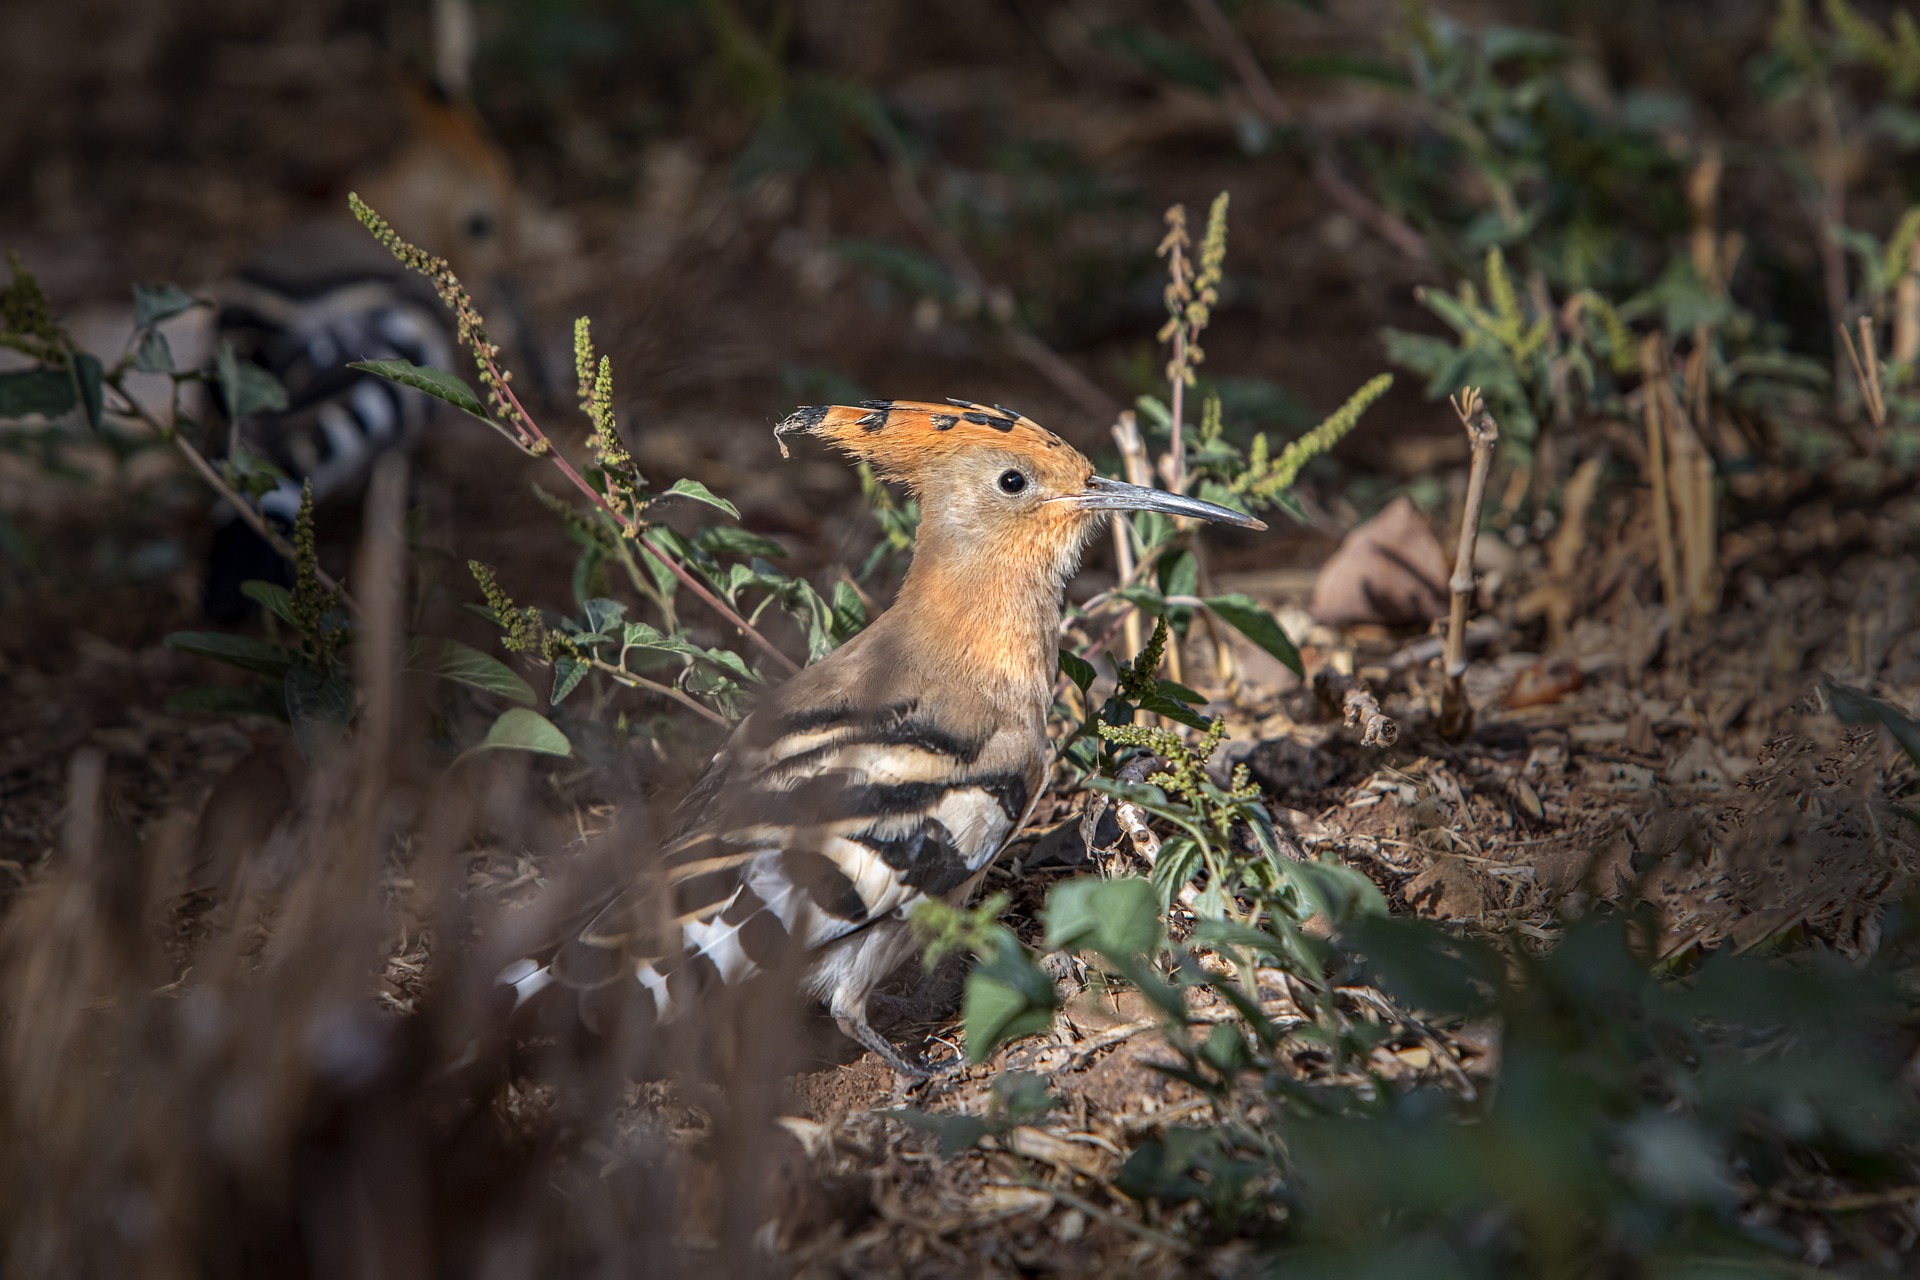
1102, 494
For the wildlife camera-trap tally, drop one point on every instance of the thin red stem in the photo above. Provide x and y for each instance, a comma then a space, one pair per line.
627, 527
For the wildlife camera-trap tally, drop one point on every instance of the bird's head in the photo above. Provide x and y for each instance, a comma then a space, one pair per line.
991, 483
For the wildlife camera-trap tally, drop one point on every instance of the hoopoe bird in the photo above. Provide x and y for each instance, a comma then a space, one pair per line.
326, 293
893, 770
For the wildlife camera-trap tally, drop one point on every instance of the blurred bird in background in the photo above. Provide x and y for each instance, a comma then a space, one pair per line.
325, 293
893, 770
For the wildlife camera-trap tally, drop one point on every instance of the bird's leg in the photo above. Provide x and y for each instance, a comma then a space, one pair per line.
854, 1023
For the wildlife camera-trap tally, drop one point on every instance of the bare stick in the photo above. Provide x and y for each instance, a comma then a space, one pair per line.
1133, 456
1356, 706
1483, 433
620, 675
1266, 100
1652, 374
1867, 369
211, 474
1906, 310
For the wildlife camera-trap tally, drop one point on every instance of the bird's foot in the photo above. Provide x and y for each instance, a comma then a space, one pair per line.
858, 1028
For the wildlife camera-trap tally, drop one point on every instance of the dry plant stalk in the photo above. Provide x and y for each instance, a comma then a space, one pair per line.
1483, 433
1133, 458
1685, 507
1866, 367
1342, 694
1906, 310
1652, 374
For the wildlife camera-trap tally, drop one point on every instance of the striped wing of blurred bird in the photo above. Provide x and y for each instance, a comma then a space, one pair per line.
326, 293
893, 770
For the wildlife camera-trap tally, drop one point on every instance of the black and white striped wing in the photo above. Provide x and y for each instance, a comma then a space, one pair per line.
337, 420
807, 830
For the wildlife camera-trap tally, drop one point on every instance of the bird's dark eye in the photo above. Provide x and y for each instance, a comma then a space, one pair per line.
1012, 482
479, 226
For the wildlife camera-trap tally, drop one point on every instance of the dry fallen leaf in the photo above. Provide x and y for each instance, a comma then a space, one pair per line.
1390, 570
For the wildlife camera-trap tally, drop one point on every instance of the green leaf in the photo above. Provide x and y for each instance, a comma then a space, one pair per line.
1180, 712
567, 675
700, 493
603, 615
272, 597
89, 378
1077, 669
245, 386
229, 700
318, 707
1174, 689
1117, 918
437, 383
849, 611
1007, 996
519, 729
48, 392
464, 664
236, 651
1338, 892
1245, 615
726, 539
154, 355
153, 303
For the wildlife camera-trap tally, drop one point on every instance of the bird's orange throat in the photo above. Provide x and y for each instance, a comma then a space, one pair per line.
990, 614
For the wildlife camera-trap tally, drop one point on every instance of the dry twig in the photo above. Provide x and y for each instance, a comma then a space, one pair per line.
1356, 706
1483, 433
1866, 368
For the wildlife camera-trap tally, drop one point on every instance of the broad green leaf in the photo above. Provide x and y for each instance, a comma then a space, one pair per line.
1338, 892
89, 379
48, 392
567, 675
519, 729
849, 611
700, 493
438, 383
153, 303
1007, 996
1178, 573
1180, 692
1077, 669
236, 651
318, 707
154, 355
272, 597
1117, 918
1178, 861
727, 539
229, 700
1179, 712
245, 386
603, 615
1245, 615
464, 664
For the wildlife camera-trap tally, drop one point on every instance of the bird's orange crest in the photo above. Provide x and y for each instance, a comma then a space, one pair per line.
899, 437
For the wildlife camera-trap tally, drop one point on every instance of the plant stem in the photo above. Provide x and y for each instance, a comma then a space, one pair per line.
631, 528
211, 474
1456, 715
1651, 375
620, 675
